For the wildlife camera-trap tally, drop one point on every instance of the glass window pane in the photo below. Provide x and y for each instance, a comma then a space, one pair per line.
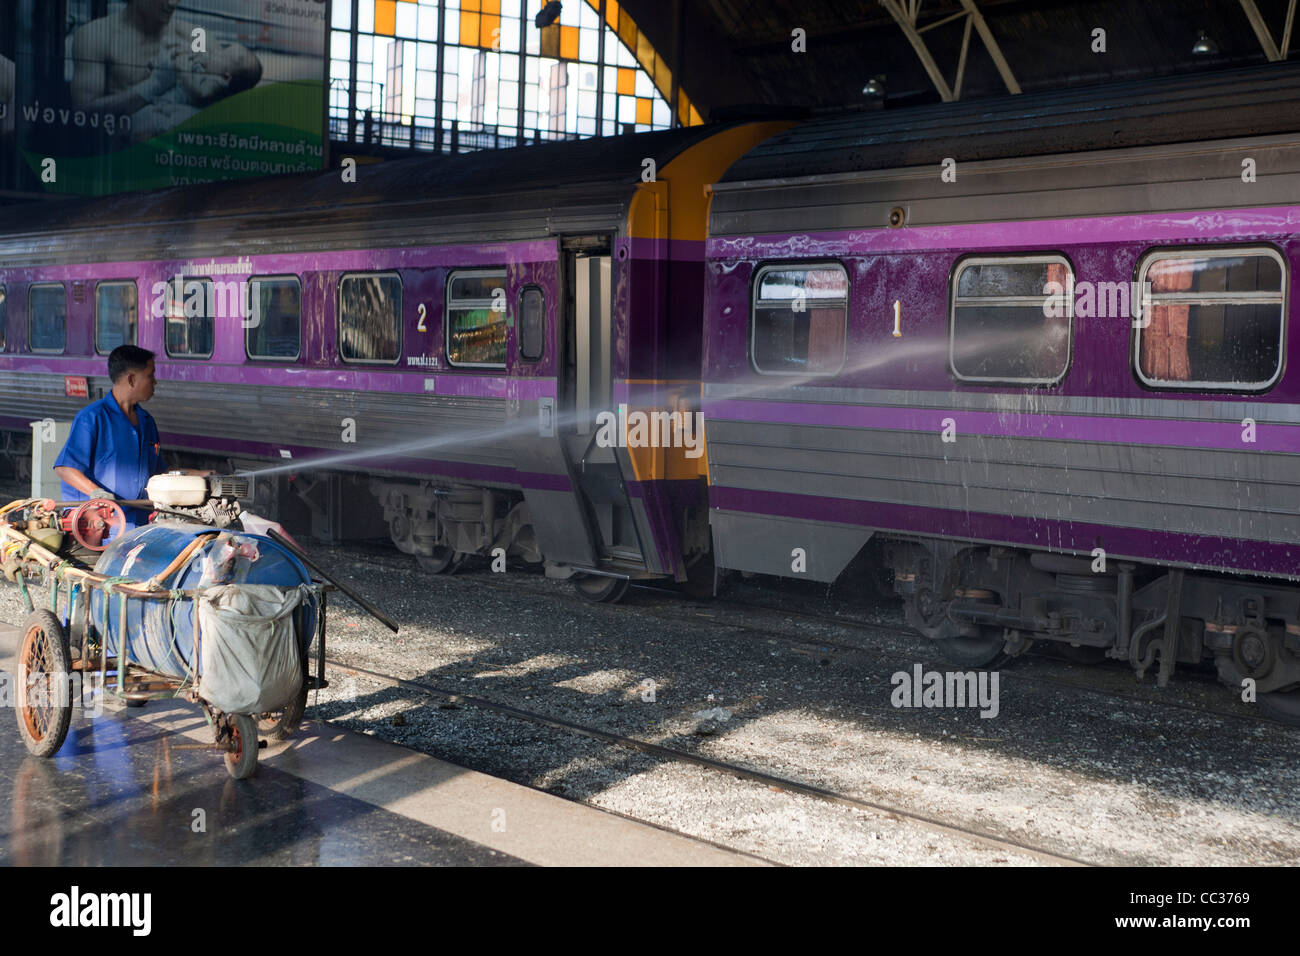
370, 309
785, 284
1011, 341
987, 279
189, 313
480, 287
1233, 340
4, 318
476, 319
800, 320
1221, 345
406, 19
274, 318
47, 317
1217, 274
116, 313
532, 327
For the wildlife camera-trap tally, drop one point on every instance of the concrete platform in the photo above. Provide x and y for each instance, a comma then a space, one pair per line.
121, 792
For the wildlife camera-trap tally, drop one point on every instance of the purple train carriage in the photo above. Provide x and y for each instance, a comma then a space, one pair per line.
442, 333
1047, 383
1043, 385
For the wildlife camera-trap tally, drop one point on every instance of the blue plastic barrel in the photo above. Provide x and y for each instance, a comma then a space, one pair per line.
161, 631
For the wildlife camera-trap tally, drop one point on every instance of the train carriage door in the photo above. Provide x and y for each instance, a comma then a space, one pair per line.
588, 390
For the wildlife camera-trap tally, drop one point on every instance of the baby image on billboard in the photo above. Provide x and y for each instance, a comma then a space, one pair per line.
168, 92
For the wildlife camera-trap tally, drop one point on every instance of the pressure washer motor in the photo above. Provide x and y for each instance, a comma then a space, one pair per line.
212, 500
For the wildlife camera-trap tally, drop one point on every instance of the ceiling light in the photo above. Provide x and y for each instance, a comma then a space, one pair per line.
1204, 45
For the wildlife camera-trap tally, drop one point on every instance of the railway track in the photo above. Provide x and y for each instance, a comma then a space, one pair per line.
971, 834
684, 607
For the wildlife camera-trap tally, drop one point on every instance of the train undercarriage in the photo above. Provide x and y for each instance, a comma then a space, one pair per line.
983, 605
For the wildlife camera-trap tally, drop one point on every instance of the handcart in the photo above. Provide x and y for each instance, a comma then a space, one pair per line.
220, 616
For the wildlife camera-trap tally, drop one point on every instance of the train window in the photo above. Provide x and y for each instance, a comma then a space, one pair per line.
476, 319
4, 318
47, 317
274, 324
190, 308
1212, 318
1011, 320
116, 314
532, 323
800, 319
370, 318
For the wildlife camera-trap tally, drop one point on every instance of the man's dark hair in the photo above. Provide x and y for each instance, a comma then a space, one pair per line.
127, 358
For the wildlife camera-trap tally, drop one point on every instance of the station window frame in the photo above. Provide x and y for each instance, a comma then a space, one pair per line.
4, 317
1283, 299
1039, 299
519, 326
248, 311
209, 298
447, 323
807, 265
400, 317
38, 286
135, 326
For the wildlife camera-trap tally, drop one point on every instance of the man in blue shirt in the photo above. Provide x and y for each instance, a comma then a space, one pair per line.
113, 449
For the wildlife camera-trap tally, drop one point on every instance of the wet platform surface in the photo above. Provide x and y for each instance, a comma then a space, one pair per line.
125, 789
119, 791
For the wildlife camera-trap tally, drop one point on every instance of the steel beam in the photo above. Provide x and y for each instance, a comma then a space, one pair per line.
1261, 29
918, 44
961, 61
995, 51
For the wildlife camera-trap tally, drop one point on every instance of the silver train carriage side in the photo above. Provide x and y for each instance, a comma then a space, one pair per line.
1045, 385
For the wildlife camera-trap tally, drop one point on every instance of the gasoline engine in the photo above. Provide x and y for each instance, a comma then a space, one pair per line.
211, 500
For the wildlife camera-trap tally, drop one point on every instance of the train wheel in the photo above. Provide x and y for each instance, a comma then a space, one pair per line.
982, 651
1282, 705
443, 561
599, 589
283, 724
241, 762
44, 695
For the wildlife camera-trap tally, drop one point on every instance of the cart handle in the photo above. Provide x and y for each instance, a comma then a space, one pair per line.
370, 609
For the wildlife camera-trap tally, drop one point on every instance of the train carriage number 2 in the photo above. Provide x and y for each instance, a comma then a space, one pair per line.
423, 312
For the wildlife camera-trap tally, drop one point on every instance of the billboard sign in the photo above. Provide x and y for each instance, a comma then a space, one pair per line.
154, 93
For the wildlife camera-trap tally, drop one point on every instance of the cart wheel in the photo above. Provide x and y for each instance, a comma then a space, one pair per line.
241, 763
44, 693
283, 724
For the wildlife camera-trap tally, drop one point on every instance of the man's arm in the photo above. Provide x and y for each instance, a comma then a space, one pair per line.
79, 481
90, 55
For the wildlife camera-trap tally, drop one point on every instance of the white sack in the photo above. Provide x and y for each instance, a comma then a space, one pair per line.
250, 662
